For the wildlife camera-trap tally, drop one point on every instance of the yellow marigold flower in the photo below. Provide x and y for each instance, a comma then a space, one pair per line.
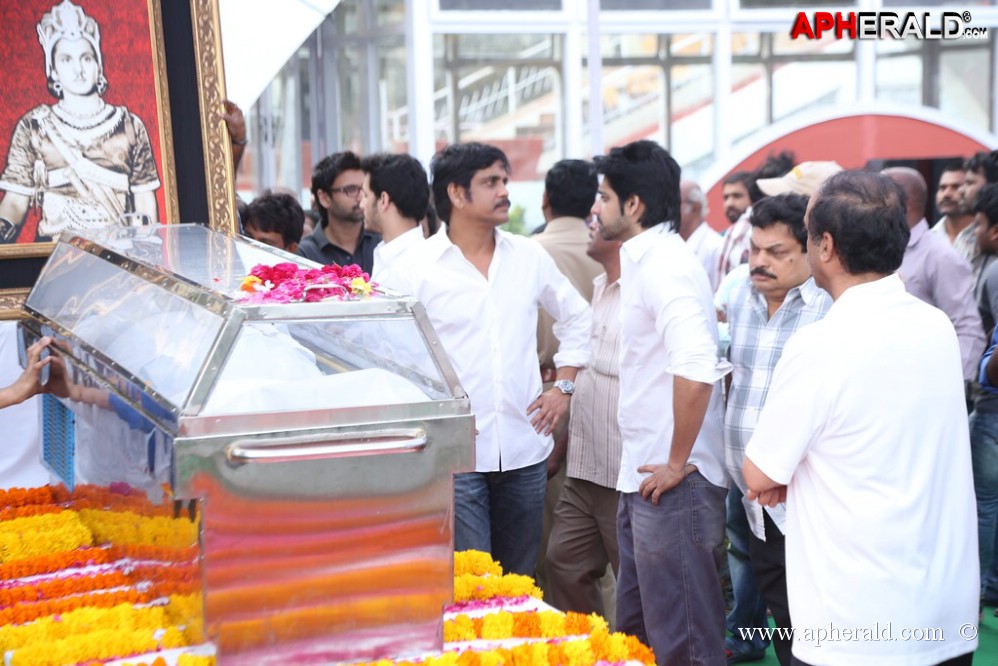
249, 283
552, 624
639, 651
461, 628
475, 562
195, 660
578, 653
33, 536
360, 287
127, 528
497, 626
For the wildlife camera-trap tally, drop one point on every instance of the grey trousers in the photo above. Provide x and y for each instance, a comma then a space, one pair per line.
668, 588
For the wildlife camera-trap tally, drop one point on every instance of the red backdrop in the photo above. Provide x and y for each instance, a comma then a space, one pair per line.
128, 66
852, 142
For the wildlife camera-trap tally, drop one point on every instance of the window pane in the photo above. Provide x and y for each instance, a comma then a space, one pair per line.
692, 118
899, 79
765, 4
828, 44
804, 86
391, 94
486, 5
747, 106
965, 84
519, 47
615, 5
389, 12
511, 99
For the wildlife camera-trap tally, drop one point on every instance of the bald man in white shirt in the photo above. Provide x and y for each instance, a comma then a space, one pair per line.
864, 434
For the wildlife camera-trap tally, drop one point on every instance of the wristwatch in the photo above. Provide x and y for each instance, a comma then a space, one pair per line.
566, 386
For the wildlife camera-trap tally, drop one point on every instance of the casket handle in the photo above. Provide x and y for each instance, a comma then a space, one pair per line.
327, 446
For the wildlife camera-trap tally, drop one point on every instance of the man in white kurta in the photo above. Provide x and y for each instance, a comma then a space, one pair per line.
865, 433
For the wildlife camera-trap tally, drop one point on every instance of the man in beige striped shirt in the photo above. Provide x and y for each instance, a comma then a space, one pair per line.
584, 533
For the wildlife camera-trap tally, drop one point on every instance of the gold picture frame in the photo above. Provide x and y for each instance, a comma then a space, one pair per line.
176, 81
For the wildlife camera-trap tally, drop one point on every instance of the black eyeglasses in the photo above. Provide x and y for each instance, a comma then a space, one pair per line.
349, 190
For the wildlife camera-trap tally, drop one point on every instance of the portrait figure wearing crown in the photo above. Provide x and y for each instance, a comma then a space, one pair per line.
80, 161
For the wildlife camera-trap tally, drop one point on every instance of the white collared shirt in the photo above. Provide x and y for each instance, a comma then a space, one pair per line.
488, 327
866, 423
385, 254
668, 328
707, 245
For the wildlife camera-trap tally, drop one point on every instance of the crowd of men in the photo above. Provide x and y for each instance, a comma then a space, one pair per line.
800, 381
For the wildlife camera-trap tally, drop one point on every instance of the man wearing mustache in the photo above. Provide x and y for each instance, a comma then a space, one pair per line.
337, 186
955, 216
779, 298
482, 288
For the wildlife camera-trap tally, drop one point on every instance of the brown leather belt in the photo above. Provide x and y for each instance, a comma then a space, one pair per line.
548, 374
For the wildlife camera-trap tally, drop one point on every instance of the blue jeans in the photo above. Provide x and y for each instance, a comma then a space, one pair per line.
749, 608
668, 590
984, 457
501, 513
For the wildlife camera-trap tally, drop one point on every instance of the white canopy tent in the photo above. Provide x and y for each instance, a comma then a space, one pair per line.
260, 36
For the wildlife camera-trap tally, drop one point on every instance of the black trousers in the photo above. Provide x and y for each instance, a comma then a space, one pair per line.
769, 563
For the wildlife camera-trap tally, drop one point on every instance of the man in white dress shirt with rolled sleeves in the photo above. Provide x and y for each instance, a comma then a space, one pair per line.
864, 434
482, 288
670, 521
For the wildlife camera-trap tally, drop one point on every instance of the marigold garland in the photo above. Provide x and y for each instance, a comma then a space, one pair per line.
526, 624
469, 587
476, 563
142, 593
80, 557
127, 528
26, 538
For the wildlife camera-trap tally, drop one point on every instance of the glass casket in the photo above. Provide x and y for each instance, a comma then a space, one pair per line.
319, 440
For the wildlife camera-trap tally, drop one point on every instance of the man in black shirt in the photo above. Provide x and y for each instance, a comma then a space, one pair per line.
337, 184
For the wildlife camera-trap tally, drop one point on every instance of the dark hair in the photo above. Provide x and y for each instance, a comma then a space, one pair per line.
865, 214
646, 170
404, 179
327, 171
571, 188
785, 209
776, 165
952, 165
432, 221
746, 180
276, 212
987, 203
985, 163
458, 163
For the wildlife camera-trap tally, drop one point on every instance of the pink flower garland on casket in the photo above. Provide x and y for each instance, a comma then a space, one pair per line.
291, 283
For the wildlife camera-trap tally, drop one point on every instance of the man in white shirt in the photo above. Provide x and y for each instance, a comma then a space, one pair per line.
864, 434
394, 199
481, 288
670, 521
702, 239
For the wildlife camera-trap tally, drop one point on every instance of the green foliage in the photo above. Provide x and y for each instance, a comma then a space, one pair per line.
516, 224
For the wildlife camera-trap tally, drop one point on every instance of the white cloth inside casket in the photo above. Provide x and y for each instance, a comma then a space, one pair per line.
268, 371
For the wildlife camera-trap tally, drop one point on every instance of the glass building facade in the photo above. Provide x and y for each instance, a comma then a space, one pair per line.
705, 78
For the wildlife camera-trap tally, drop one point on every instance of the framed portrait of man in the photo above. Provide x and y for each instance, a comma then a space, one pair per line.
88, 129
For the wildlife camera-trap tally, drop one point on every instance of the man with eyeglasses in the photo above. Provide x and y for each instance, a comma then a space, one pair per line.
337, 185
